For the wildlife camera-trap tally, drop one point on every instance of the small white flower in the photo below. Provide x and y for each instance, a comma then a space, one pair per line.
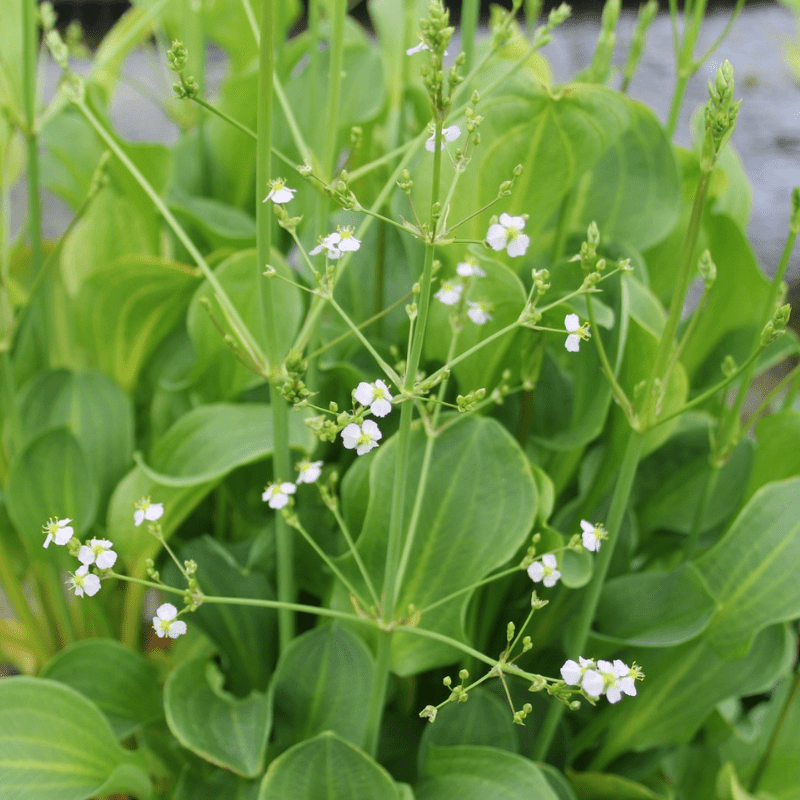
479, 312
165, 624
418, 49
592, 535
545, 570
338, 242
277, 494
507, 235
375, 395
308, 471
145, 510
468, 268
448, 135
617, 678
593, 683
279, 192
583, 674
98, 552
576, 332
82, 583
58, 531
449, 292
363, 438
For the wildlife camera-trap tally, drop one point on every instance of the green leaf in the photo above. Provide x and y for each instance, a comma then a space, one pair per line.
50, 476
220, 224
310, 770
117, 680
671, 480
195, 784
778, 453
244, 635
655, 609
596, 786
218, 374
127, 307
681, 688
198, 451
468, 772
56, 745
752, 570
479, 502
485, 719
323, 682
228, 731
92, 407
633, 192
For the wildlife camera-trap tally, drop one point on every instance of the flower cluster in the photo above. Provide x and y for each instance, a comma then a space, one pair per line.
602, 678
334, 244
545, 570
364, 436
277, 493
450, 292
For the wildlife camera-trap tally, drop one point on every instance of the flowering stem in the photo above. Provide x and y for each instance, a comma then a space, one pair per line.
297, 525
685, 66
619, 502
490, 579
334, 87
354, 552
279, 408
389, 372
779, 387
222, 298
469, 23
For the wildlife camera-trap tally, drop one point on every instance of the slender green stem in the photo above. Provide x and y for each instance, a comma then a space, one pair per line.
331, 128
709, 483
619, 502
297, 525
763, 762
685, 64
314, 67
225, 303
497, 576
470, 9
230, 120
343, 527
279, 407
724, 35
387, 369
685, 270
370, 166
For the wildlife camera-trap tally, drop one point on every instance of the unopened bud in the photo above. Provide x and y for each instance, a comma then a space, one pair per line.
707, 269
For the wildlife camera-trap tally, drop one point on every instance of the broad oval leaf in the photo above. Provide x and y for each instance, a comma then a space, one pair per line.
778, 453
310, 770
478, 505
225, 730
117, 680
655, 609
598, 786
128, 306
323, 682
468, 772
50, 476
94, 408
752, 570
56, 745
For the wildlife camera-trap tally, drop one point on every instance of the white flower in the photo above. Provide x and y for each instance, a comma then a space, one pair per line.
58, 530
165, 624
376, 396
545, 570
584, 675
338, 242
83, 583
479, 312
449, 292
279, 192
277, 494
592, 535
507, 234
308, 471
145, 510
468, 268
363, 438
618, 678
576, 333
448, 135
98, 552
418, 49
